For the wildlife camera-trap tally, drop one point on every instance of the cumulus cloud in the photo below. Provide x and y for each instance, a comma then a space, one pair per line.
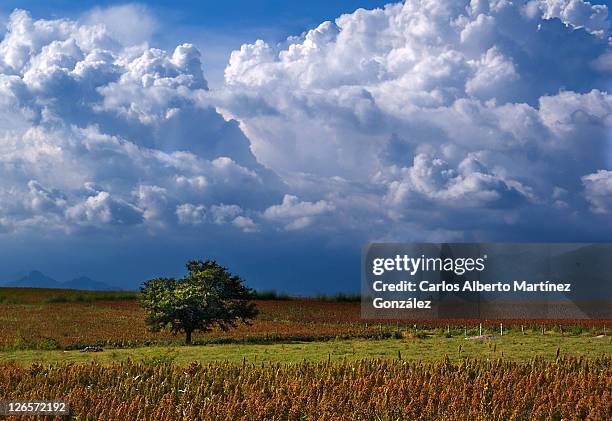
598, 190
485, 107
189, 214
297, 214
43, 200
411, 121
99, 130
245, 223
495, 76
469, 185
222, 213
577, 13
103, 209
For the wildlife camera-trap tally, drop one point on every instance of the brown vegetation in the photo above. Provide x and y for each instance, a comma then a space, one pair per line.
569, 389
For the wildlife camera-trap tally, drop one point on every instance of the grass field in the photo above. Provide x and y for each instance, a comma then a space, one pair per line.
511, 347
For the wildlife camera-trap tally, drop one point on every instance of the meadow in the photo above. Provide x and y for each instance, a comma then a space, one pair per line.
430, 347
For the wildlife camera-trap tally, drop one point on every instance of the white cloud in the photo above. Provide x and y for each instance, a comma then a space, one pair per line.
101, 132
43, 200
386, 122
598, 190
330, 101
103, 209
577, 13
494, 76
130, 24
245, 223
197, 182
449, 105
297, 214
189, 214
222, 213
470, 185
153, 200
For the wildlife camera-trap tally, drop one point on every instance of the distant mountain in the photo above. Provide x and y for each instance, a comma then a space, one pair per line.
37, 279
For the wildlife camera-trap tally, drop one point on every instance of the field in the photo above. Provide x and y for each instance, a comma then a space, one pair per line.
511, 347
55, 318
366, 390
302, 359
62, 319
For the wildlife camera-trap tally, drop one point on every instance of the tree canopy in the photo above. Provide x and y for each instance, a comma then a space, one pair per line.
208, 296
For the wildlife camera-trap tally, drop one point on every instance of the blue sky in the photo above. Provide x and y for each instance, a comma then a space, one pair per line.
212, 14
279, 138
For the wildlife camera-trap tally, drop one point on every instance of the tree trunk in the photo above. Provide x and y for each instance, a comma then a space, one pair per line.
188, 337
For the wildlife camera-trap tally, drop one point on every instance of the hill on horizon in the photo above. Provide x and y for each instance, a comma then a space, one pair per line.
37, 279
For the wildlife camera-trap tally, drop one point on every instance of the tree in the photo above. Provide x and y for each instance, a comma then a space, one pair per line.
208, 296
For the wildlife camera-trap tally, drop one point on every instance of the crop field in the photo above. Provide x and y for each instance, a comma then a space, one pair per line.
568, 389
32, 318
63, 319
301, 359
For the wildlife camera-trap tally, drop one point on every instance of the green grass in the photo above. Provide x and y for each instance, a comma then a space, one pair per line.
511, 347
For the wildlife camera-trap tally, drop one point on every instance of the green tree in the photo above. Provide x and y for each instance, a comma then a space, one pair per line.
208, 296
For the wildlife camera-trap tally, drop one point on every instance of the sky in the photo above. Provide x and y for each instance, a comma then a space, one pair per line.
280, 138
216, 28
